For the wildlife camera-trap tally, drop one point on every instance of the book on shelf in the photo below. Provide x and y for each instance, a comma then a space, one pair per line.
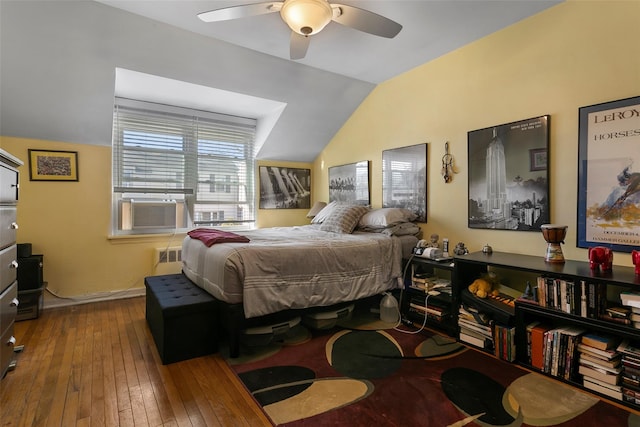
476, 327
504, 342
614, 392
590, 359
614, 319
630, 299
599, 366
630, 395
619, 311
598, 374
476, 339
537, 345
629, 348
604, 354
600, 341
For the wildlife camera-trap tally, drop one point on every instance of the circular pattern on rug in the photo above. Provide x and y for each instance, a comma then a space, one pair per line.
323, 395
276, 383
438, 347
475, 393
364, 354
544, 402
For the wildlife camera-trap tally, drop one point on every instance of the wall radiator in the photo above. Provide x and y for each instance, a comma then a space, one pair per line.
167, 260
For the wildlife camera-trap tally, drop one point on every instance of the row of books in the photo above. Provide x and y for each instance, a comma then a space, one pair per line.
553, 350
630, 386
427, 282
478, 330
475, 328
601, 365
581, 299
435, 310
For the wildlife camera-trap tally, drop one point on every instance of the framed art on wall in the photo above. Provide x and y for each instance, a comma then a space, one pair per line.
350, 183
51, 165
609, 175
508, 175
404, 179
284, 188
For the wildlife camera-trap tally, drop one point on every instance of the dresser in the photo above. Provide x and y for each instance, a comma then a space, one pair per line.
8, 257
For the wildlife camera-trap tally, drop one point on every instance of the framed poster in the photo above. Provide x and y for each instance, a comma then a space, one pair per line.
284, 188
404, 179
49, 165
508, 175
609, 175
350, 183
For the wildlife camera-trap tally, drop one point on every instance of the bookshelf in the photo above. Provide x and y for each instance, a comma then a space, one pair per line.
563, 321
425, 275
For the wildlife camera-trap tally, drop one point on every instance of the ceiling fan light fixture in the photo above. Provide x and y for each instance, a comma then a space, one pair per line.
306, 17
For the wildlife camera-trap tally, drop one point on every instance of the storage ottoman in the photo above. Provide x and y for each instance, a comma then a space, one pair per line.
182, 318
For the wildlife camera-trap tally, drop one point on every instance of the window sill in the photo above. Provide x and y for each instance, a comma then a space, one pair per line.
144, 238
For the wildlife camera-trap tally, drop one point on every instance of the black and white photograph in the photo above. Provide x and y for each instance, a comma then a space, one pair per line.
404, 179
508, 175
350, 183
285, 188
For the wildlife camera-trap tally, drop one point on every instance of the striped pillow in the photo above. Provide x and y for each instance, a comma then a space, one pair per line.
343, 219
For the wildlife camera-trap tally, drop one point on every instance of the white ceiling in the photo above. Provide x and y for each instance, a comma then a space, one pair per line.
431, 28
161, 48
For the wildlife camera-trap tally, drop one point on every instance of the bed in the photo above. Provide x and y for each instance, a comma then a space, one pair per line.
348, 253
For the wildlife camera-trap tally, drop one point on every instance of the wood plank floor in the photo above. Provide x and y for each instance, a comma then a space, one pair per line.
96, 365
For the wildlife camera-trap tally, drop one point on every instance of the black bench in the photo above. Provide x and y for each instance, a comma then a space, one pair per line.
182, 317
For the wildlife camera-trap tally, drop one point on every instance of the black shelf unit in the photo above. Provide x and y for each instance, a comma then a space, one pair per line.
620, 278
444, 269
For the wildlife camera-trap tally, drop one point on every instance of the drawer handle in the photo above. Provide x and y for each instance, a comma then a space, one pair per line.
14, 302
14, 264
11, 342
14, 226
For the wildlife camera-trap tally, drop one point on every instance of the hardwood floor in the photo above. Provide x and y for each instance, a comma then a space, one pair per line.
96, 365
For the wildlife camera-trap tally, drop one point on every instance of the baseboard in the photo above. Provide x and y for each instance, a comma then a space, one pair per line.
53, 301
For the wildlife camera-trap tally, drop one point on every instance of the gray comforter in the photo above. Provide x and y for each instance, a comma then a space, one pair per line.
294, 267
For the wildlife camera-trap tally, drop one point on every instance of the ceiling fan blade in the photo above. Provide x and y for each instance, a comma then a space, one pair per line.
244, 11
299, 45
366, 21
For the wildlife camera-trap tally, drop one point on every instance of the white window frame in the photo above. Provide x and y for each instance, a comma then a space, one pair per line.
166, 155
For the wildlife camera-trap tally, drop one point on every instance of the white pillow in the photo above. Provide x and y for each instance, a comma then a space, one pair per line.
324, 213
385, 217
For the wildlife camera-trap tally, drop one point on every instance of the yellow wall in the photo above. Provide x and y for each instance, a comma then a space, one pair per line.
69, 222
572, 55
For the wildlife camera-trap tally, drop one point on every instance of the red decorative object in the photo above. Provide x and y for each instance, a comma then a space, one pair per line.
635, 258
601, 257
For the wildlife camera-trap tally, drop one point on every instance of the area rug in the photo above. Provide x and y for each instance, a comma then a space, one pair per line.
366, 373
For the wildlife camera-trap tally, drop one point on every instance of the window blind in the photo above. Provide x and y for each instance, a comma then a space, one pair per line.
206, 158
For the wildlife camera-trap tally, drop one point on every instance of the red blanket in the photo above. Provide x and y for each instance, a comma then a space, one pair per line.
209, 236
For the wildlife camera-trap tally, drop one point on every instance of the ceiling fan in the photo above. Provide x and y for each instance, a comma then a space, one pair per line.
308, 17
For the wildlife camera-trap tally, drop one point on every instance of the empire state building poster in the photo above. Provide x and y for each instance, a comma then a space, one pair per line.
508, 175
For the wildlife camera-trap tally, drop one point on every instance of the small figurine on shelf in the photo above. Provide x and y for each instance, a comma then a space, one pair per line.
635, 257
433, 242
486, 249
460, 249
600, 257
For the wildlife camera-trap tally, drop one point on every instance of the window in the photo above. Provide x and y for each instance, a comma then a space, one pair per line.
176, 168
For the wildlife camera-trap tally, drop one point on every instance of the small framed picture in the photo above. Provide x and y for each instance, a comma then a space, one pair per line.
538, 159
48, 165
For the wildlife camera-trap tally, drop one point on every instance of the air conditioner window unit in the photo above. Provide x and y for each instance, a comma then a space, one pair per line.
150, 214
